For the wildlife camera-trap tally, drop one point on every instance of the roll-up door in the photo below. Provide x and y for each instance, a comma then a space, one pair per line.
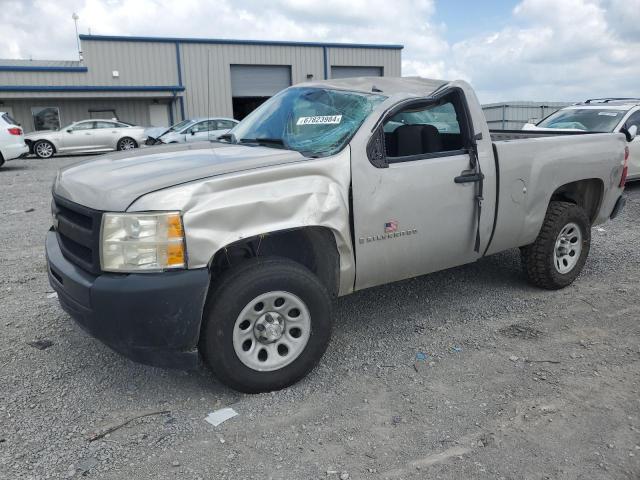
259, 80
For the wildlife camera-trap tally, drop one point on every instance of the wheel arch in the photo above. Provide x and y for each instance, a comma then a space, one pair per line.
130, 138
313, 247
587, 194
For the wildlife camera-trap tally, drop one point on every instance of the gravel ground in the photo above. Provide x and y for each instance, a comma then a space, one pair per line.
516, 383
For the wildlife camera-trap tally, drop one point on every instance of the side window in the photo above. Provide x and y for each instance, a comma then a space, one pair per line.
224, 124
424, 129
634, 119
105, 125
84, 126
203, 126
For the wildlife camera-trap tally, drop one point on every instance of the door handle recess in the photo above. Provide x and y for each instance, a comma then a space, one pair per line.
469, 177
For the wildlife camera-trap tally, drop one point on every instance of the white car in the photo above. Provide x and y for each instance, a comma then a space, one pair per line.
600, 115
11, 139
86, 136
198, 130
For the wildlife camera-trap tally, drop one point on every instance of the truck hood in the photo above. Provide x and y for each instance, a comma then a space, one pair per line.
113, 182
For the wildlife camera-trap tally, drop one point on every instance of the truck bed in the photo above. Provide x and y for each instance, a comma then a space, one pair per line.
531, 165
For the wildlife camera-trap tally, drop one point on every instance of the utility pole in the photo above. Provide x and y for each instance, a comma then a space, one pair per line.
75, 18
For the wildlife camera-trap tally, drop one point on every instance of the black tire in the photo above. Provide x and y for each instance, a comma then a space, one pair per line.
39, 152
1, 160
233, 292
126, 140
538, 258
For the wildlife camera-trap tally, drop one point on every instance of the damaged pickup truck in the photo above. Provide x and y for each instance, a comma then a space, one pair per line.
234, 250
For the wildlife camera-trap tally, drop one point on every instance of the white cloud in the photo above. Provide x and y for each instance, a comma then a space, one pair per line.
549, 50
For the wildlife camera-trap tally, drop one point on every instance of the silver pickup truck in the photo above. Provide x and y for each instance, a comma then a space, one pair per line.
233, 251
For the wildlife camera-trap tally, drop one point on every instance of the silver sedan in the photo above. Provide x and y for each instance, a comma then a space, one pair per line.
86, 136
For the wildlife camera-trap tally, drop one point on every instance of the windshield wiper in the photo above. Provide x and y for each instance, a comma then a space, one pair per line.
264, 141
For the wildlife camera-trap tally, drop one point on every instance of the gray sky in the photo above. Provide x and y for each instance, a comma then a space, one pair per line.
527, 50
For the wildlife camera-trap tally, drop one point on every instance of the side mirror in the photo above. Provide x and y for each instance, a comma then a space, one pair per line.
193, 132
633, 131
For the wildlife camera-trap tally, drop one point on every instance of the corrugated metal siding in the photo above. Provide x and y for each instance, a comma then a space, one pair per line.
139, 63
513, 115
350, 72
39, 63
129, 110
389, 60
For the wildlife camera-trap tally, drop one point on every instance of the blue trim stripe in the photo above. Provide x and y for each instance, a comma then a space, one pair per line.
92, 88
26, 68
228, 41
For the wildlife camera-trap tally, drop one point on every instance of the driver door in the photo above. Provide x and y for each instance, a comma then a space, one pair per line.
411, 217
634, 147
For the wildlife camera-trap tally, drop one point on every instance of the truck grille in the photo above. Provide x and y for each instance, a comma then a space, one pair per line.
78, 232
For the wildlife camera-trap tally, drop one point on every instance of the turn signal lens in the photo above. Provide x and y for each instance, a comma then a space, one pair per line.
142, 242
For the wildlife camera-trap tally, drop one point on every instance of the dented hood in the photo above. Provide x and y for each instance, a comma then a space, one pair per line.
113, 182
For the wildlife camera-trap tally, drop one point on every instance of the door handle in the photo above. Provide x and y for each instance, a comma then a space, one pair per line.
469, 177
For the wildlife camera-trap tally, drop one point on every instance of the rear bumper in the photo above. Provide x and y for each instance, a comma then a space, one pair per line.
15, 150
617, 208
150, 318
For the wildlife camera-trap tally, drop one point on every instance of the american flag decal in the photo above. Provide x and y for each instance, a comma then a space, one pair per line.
391, 226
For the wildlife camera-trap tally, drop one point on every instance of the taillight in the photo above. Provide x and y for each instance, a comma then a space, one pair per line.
15, 131
625, 167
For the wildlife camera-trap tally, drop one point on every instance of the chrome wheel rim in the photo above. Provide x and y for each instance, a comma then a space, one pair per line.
568, 248
44, 150
127, 144
271, 331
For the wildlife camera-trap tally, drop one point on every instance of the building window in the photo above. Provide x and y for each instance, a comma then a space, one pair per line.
46, 118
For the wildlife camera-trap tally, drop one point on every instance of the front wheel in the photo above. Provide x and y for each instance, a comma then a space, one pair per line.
126, 143
559, 253
43, 149
267, 323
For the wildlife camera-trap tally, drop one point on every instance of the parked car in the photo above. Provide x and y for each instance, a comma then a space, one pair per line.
600, 115
86, 136
235, 249
197, 130
11, 139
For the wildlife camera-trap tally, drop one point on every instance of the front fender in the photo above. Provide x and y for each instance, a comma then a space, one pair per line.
219, 211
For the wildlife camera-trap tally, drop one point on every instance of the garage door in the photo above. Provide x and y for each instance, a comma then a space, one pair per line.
259, 80
349, 72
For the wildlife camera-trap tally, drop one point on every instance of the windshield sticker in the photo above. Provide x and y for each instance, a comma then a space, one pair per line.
609, 114
320, 120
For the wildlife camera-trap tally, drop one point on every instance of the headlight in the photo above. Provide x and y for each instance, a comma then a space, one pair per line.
142, 242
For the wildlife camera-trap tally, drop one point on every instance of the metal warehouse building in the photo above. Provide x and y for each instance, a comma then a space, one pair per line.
160, 81
513, 115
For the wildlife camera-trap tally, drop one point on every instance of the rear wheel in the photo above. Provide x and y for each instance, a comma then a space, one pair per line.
559, 253
44, 149
127, 143
267, 324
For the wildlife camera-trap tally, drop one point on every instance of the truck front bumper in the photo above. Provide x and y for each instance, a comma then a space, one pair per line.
151, 318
